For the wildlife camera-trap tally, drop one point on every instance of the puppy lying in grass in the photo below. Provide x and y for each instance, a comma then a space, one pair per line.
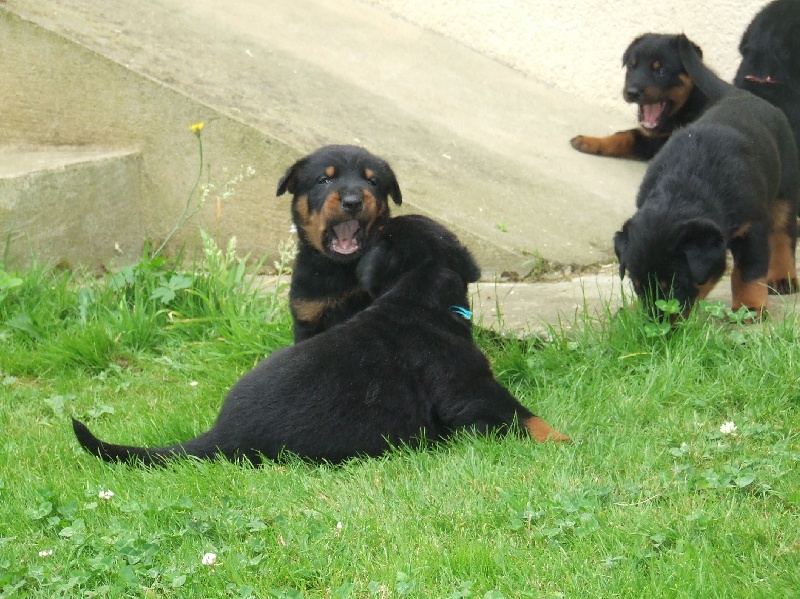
405, 370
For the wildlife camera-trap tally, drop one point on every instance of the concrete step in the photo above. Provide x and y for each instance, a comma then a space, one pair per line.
522, 309
70, 206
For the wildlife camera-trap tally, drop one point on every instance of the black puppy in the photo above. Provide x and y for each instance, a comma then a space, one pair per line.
340, 200
402, 371
770, 67
656, 81
727, 181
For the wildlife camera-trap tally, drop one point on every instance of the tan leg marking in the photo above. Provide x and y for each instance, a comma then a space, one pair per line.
309, 310
704, 289
541, 431
782, 274
618, 144
753, 294
312, 310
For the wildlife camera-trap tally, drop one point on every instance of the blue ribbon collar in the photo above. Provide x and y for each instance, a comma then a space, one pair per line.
461, 311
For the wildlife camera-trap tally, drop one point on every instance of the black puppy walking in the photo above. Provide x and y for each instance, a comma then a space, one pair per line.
403, 370
340, 199
727, 181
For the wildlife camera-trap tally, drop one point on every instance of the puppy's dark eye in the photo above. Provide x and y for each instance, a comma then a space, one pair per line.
324, 180
659, 72
372, 181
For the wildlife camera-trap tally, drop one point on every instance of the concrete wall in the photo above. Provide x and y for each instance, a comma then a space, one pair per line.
55, 93
578, 46
273, 79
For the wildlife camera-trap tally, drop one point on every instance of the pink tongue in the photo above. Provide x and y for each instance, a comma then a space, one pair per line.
757, 79
345, 242
651, 113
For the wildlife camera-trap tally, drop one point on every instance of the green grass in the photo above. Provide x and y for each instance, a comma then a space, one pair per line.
650, 498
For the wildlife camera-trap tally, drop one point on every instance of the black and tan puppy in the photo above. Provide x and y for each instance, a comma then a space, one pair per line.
770, 67
656, 81
729, 181
401, 371
340, 199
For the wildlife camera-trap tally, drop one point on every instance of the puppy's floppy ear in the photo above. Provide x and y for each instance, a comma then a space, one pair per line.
289, 180
620, 245
704, 246
394, 187
697, 49
682, 39
467, 269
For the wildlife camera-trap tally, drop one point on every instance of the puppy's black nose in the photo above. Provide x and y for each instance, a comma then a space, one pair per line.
351, 202
632, 92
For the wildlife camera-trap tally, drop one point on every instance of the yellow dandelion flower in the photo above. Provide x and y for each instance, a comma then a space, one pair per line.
196, 128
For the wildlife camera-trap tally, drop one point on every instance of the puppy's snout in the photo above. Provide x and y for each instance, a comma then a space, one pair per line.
632, 93
352, 202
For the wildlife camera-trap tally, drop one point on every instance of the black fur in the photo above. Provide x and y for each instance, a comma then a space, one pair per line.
334, 185
770, 67
401, 371
727, 181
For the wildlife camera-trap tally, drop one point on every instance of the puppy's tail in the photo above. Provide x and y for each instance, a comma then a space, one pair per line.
704, 78
200, 447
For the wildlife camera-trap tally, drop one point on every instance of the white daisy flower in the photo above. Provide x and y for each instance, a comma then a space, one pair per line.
209, 559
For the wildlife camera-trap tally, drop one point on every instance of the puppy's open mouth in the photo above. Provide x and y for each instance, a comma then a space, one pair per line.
650, 115
344, 239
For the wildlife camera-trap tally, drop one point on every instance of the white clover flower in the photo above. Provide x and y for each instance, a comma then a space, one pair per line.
209, 559
106, 494
46, 553
727, 428
338, 526
193, 384
684, 447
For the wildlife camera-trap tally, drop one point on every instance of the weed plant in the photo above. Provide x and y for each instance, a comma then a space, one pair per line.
682, 480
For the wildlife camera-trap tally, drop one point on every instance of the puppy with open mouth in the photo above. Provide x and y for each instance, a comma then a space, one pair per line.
667, 99
340, 200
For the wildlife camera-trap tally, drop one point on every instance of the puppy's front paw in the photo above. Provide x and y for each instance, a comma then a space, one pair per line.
586, 144
782, 286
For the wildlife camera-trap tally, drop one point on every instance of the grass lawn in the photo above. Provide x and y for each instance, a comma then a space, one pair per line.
650, 499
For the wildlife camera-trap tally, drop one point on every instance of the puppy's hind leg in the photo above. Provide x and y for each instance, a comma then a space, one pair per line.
782, 274
535, 426
541, 431
492, 407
